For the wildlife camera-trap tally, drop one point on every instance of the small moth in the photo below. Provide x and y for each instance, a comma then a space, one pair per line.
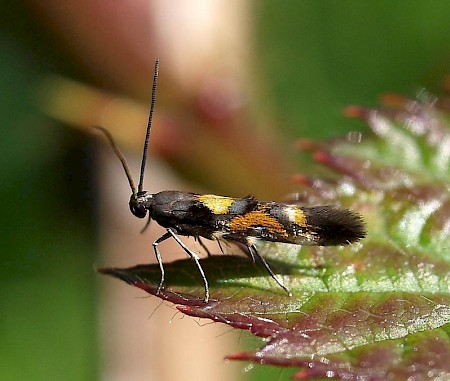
240, 220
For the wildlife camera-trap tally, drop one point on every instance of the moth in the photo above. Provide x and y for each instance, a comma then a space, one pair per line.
237, 220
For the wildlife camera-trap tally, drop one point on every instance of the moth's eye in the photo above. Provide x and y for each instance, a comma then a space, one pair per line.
138, 210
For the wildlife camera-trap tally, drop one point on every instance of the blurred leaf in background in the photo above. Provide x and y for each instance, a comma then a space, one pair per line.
321, 56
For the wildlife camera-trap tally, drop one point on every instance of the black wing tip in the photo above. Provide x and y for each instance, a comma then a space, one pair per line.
335, 225
356, 228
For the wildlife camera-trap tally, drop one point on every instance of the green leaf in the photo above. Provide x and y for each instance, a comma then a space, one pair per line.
378, 309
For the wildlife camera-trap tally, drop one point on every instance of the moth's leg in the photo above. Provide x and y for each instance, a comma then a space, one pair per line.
203, 246
246, 248
251, 254
147, 224
254, 253
242, 243
195, 258
219, 243
159, 259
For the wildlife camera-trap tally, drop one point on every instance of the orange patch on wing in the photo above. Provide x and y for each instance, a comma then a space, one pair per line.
216, 204
257, 218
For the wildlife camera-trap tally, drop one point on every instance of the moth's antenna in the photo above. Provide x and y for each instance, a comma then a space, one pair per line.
120, 156
149, 126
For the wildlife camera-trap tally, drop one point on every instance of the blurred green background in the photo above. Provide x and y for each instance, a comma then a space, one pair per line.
315, 57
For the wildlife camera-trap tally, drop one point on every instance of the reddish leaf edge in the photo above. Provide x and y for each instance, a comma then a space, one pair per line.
176, 298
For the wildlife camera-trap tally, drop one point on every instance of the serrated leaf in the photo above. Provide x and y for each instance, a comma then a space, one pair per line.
375, 310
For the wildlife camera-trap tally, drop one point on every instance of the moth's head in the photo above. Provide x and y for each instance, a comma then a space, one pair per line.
140, 203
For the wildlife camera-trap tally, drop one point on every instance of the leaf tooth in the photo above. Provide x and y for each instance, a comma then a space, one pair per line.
356, 169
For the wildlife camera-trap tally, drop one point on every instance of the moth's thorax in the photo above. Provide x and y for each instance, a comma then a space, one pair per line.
171, 205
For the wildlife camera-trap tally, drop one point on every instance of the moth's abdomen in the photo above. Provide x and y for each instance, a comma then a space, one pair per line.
319, 225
